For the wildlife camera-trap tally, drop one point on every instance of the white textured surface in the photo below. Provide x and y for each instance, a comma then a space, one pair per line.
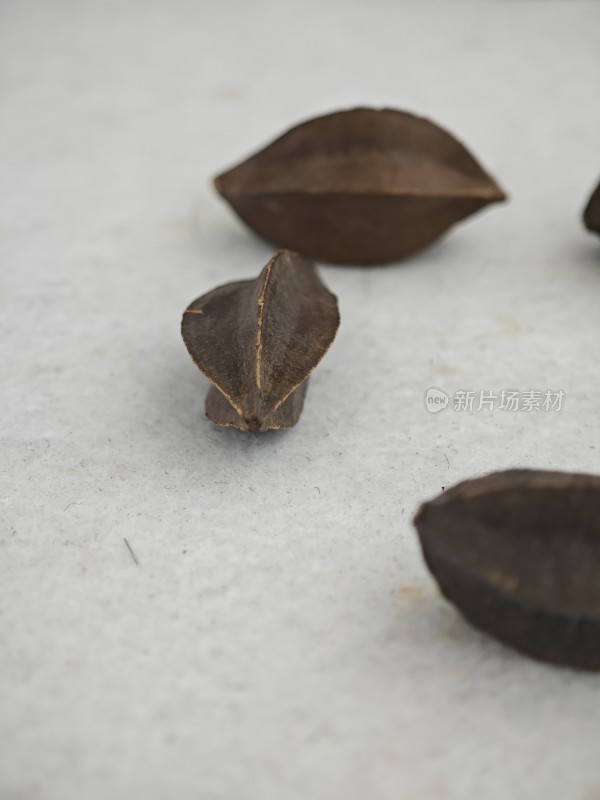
280, 638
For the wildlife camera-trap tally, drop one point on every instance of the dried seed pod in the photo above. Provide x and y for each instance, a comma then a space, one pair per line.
364, 186
257, 341
518, 553
591, 215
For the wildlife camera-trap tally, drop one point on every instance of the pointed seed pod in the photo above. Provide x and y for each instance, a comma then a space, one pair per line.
591, 215
518, 553
364, 186
257, 342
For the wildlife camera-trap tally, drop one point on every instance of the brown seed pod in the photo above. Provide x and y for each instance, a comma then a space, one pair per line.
518, 553
591, 215
364, 186
257, 341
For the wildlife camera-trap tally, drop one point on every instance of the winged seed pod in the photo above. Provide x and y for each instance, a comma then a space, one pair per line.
518, 553
257, 342
364, 186
591, 215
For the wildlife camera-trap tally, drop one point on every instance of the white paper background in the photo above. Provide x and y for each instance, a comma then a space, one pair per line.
280, 638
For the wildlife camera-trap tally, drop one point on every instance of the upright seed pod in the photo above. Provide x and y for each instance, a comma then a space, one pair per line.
257, 342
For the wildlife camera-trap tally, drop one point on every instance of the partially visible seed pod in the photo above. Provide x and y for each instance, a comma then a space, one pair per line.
518, 553
591, 215
257, 342
364, 186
